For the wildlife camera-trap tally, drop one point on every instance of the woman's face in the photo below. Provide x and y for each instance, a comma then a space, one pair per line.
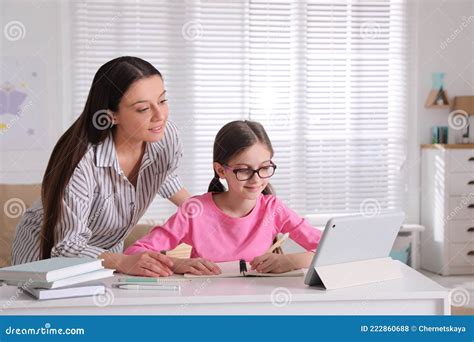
143, 111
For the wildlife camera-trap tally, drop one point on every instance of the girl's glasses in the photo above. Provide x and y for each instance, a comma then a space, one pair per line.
247, 173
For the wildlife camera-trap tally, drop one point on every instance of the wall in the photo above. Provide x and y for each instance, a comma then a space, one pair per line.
34, 31
442, 39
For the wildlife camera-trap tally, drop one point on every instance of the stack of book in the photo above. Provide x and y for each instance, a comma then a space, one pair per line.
58, 277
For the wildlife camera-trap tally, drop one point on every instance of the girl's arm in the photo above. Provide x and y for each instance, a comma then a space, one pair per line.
300, 260
180, 197
307, 236
279, 263
148, 264
144, 256
287, 221
165, 237
197, 266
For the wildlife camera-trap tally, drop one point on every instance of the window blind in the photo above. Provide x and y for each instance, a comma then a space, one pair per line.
327, 79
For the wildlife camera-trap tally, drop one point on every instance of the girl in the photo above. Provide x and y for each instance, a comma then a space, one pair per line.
239, 222
105, 171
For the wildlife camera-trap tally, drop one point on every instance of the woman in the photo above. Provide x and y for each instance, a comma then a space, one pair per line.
105, 171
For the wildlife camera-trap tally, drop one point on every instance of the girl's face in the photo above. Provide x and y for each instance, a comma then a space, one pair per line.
253, 157
143, 111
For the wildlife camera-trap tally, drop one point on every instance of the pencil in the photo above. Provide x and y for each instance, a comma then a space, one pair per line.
278, 243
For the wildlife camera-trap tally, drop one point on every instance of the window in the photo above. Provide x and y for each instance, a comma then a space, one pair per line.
326, 79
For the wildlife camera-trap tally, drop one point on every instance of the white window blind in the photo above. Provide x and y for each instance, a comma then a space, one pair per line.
326, 79
354, 97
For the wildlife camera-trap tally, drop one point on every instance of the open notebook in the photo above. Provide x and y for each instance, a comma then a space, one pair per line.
232, 269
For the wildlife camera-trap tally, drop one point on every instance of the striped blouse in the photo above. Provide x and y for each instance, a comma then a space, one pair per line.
100, 205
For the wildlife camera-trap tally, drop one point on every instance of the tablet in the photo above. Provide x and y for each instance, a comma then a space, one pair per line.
355, 238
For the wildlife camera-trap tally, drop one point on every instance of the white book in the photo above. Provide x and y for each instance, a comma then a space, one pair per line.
66, 292
231, 269
50, 269
81, 278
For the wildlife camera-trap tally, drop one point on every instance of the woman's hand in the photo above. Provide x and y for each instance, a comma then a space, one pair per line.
197, 266
147, 264
272, 263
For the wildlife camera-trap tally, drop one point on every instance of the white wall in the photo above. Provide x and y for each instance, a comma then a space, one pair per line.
439, 22
432, 23
42, 42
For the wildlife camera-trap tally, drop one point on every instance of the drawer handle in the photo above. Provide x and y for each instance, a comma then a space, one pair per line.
471, 229
470, 182
471, 159
470, 253
470, 206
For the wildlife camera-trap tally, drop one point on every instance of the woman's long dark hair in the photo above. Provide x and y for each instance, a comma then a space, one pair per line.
110, 83
234, 138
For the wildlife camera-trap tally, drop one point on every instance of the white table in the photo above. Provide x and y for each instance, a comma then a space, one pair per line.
414, 294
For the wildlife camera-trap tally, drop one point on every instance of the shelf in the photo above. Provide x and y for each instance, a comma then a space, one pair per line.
433, 95
438, 106
447, 146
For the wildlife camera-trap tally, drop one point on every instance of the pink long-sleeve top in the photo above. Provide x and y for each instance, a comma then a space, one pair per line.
219, 237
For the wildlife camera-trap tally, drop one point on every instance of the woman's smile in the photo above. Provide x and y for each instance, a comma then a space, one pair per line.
157, 129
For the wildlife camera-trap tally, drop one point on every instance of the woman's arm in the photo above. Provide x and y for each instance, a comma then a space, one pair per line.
172, 188
74, 242
179, 197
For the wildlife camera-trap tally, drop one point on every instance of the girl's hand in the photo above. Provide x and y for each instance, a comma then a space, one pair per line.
147, 264
197, 266
272, 263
